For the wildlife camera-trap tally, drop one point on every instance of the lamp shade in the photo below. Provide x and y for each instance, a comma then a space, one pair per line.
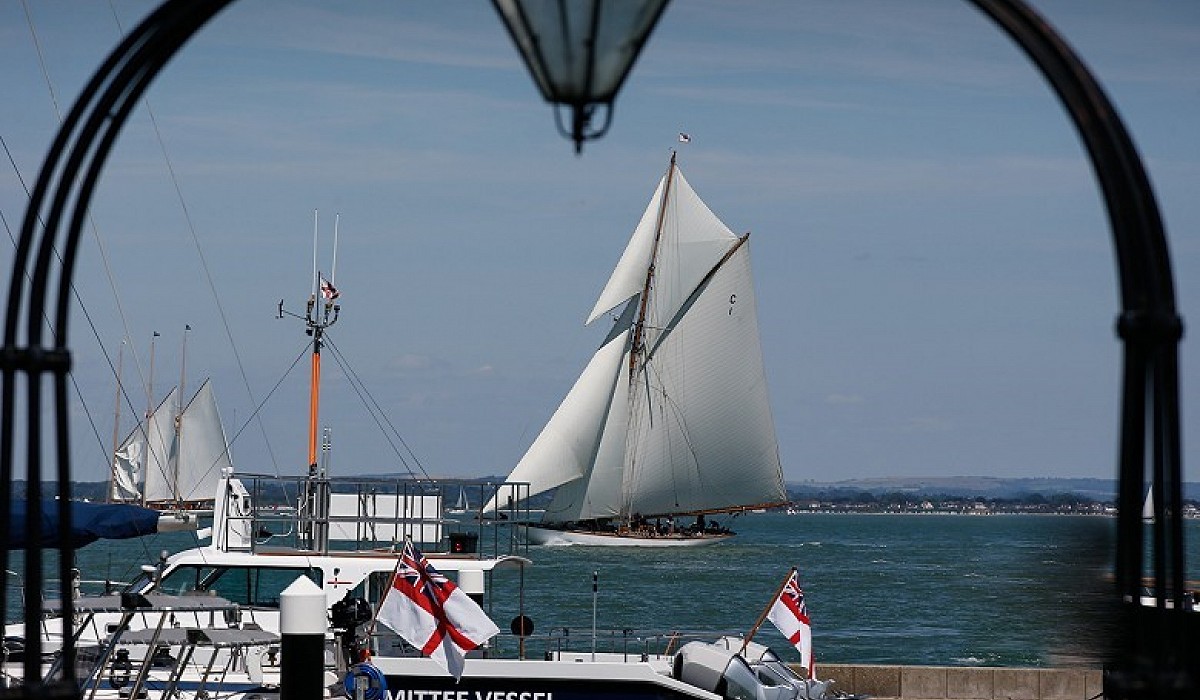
580, 51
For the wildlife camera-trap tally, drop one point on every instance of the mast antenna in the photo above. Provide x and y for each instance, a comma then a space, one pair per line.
337, 218
314, 248
318, 316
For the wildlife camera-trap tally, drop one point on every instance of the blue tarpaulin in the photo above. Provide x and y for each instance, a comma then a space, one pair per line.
89, 522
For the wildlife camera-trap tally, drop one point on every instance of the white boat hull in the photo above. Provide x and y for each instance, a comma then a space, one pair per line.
551, 536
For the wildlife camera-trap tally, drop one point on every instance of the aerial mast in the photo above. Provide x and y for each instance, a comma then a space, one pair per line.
320, 312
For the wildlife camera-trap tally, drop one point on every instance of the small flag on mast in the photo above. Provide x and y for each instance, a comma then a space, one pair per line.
684, 138
328, 290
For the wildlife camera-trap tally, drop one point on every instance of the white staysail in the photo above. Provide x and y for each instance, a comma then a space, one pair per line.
598, 494
671, 416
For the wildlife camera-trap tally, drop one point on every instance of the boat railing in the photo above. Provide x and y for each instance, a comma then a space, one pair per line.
126, 638
627, 644
81, 587
339, 514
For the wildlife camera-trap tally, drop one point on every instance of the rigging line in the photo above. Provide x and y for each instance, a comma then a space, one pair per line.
78, 300
668, 400
377, 412
37, 46
203, 262
95, 234
229, 442
91, 220
304, 350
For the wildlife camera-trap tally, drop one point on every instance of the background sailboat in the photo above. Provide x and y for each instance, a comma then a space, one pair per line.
175, 458
462, 504
671, 417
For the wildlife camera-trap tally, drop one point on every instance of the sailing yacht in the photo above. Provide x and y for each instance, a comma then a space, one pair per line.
670, 422
175, 458
462, 505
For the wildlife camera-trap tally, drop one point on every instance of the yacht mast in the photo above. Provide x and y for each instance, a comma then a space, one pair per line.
179, 406
149, 412
637, 348
116, 441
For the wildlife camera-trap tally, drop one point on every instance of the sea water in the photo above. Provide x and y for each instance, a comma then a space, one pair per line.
996, 590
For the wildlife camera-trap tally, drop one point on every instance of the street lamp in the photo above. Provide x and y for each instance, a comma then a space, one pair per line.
579, 53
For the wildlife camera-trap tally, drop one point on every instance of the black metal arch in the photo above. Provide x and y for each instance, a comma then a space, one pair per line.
1161, 656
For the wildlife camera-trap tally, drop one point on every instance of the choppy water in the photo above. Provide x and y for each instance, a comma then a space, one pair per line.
907, 589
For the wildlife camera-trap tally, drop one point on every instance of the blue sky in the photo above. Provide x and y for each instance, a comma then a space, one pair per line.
935, 281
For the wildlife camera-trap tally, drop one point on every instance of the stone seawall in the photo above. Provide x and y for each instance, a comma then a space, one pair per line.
964, 683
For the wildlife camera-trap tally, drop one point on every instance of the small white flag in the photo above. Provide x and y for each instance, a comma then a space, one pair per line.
684, 138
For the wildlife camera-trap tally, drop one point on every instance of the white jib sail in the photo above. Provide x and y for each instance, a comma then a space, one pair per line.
565, 448
598, 493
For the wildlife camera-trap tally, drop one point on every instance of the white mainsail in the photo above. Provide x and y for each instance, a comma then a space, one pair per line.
672, 414
157, 464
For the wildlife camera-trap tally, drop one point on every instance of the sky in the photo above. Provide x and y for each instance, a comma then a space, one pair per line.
935, 279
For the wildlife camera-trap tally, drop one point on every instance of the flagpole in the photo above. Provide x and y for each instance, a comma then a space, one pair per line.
766, 611
390, 586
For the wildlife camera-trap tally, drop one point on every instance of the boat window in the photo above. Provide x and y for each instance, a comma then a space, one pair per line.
770, 676
375, 587
781, 669
740, 681
139, 584
239, 584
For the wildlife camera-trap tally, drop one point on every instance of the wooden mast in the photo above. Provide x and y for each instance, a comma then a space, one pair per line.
116, 441
149, 414
639, 327
636, 345
180, 405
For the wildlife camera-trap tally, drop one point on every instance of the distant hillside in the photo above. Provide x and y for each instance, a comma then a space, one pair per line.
959, 486
967, 486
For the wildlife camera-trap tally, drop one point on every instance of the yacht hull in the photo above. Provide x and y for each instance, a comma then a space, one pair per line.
551, 536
